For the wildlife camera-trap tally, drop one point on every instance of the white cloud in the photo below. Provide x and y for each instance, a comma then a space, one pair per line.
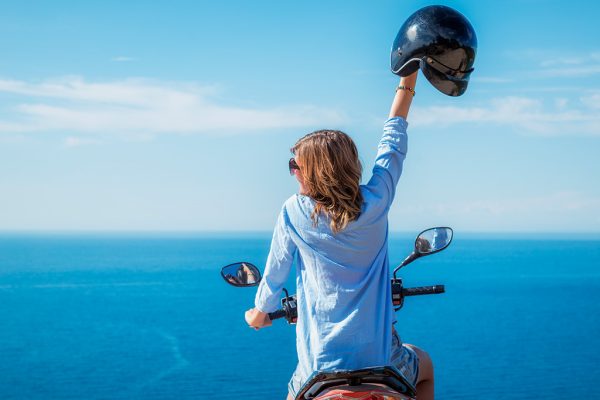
571, 66
122, 59
563, 61
142, 106
592, 101
73, 141
561, 103
524, 114
490, 79
546, 63
567, 210
571, 72
547, 204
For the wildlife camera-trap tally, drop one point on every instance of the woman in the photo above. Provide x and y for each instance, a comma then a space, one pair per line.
336, 229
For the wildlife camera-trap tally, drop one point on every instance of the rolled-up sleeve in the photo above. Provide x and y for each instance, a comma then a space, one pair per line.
277, 270
391, 153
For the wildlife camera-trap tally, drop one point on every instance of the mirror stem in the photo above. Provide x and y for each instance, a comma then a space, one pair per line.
412, 257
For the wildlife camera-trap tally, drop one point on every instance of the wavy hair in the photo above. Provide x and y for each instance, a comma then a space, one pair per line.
331, 171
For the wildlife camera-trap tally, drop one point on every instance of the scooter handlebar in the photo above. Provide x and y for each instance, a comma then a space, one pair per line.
277, 314
417, 291
397, 298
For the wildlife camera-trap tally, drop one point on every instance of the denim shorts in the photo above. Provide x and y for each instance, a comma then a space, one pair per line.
403, 357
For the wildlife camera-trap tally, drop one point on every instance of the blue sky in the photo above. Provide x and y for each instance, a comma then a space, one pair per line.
179, 116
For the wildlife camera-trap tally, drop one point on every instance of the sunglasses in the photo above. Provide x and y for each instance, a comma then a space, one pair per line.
293, 166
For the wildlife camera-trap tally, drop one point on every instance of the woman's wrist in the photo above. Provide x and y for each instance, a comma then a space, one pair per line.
404, 94
407, 88
410, 80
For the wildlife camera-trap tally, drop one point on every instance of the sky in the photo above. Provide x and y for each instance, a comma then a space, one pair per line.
179, 116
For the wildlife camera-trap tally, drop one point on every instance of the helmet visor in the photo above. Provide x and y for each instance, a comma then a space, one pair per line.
449, 81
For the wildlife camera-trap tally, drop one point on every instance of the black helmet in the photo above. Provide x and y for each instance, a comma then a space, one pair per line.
442, 42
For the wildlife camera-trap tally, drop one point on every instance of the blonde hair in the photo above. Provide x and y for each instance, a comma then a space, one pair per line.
331, 170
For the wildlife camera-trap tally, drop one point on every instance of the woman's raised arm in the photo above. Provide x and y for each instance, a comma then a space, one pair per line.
404, 95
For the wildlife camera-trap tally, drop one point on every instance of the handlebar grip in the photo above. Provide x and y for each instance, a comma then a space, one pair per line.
417, 291
277, 314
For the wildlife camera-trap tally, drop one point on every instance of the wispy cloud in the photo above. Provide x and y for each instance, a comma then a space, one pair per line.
527, 115
74, 141
592, 101
570, 66
579, 71
545, 63
593, 57
122, 59
142, 106
552, 203
491, 79
570, 210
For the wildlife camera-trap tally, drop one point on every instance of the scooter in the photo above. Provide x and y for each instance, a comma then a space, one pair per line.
376, 383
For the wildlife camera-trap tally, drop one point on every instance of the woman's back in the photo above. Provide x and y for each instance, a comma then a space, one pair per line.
344, 297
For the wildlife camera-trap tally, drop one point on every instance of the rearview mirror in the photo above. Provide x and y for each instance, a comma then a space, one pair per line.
241, 274
433, 240
428, 242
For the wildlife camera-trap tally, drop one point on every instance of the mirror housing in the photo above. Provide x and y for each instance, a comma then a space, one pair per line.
433, 240
241, 274
430, 241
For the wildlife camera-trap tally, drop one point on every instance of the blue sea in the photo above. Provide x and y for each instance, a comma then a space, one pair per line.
147, 316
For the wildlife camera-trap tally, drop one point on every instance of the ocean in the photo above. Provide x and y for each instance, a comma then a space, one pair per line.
148, 316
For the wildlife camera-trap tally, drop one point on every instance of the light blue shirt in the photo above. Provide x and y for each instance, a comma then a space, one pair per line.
345, 310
